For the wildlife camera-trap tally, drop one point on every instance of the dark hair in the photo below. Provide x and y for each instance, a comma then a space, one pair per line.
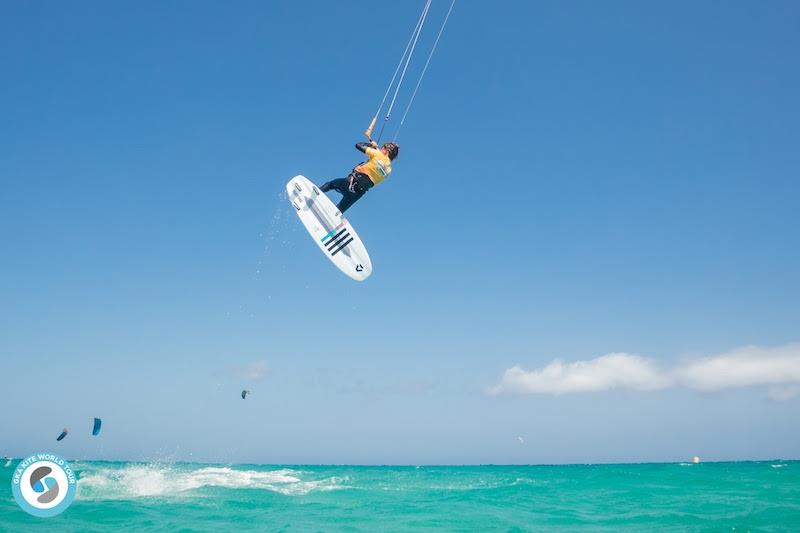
392, 150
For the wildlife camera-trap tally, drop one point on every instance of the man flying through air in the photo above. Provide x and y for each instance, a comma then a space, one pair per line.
366, 175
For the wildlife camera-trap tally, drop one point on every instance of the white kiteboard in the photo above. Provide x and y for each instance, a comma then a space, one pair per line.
330, 230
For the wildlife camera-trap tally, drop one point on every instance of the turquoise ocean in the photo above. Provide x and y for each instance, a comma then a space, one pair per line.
122, 496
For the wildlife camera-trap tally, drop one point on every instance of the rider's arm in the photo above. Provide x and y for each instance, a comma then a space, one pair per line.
362, 147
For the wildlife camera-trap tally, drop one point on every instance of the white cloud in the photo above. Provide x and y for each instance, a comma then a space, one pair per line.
777, 368
252, 371
615, 370
744, 367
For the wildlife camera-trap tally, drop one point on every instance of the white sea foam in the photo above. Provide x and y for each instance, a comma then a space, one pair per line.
142, 481
778, 466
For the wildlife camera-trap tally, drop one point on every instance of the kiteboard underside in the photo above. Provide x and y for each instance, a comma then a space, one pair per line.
330, 230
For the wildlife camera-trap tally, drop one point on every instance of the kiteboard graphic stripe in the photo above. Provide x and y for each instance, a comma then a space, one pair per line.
340, 248
343, 230
331, 232
335, 242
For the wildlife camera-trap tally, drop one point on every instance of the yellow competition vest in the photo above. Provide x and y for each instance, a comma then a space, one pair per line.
377, 167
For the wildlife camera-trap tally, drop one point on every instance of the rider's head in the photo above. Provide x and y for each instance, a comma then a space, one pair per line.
390, 149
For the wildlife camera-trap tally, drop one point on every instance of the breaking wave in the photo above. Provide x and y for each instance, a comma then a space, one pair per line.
143, 480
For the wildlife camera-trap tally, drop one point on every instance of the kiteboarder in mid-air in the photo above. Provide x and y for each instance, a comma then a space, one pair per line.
325, 222
366, 175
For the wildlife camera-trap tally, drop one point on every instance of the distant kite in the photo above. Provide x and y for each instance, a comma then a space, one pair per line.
521, 440
63, 434
245, 393
97, 425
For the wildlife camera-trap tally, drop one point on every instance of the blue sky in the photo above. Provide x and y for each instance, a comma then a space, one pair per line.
576, 179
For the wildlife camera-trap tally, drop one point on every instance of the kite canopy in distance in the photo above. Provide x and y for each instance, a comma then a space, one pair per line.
97, 425
245, 393
63, 434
